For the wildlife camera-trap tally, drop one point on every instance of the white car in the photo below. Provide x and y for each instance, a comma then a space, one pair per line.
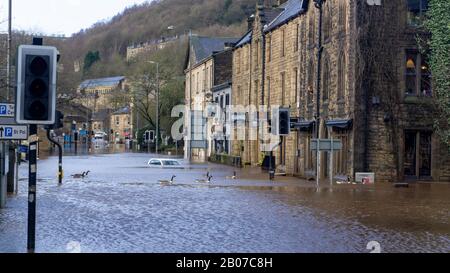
164, 163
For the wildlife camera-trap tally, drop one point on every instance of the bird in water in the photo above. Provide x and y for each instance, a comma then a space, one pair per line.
233, 177
204, 180
80, 175
167, 182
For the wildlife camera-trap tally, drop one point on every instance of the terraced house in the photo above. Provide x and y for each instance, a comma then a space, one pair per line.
376, 88
208, 71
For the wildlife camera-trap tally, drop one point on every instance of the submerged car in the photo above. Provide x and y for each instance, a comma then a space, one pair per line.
165, 163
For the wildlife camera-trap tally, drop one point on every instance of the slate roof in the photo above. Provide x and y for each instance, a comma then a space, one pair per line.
291, 9
276, 17
204, 47
123, 111
244, 40
101, 115
103, 82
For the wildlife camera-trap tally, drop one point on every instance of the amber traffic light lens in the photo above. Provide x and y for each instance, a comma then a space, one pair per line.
38, 88
38, 66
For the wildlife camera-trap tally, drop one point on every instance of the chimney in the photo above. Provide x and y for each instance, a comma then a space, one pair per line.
229, 46
250, 21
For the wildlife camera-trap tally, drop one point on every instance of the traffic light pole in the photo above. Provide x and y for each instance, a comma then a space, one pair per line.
33, 141
60, 168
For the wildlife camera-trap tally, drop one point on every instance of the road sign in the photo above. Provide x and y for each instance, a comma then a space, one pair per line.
13, 132
7, 110
326, 145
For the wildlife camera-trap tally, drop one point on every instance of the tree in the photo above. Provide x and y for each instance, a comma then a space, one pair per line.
438, 24
90, 59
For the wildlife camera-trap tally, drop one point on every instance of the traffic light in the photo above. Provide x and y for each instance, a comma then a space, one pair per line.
59, 122
281, 122
36, 85
152, 135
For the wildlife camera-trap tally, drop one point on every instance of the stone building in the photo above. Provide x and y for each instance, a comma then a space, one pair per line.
206, 66
376, 94
96, 94
121, 126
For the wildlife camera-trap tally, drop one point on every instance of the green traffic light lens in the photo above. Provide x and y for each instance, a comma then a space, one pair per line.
37, 109
38, 88
38, 66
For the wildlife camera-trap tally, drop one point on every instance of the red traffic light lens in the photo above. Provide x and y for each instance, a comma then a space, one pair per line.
37, 88
38, 66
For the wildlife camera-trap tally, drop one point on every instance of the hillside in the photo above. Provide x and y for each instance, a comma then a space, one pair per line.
145, 22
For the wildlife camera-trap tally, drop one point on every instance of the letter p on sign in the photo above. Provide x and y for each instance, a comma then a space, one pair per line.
374, 2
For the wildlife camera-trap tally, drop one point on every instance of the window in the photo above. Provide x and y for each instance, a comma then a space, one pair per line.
417, 75
269, 49
268, 90
197, 83
155, 163
283, 43
328, 25
295, 85
326, 79
310, 82
341, 77
312, 24
416, 11
343, 16
238, 62
283, 88
117, 121
297, 37
227, 100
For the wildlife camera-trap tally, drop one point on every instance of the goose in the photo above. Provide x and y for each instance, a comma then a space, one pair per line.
167, 182
204, 180
78, 175
234, 177
207, 175
86, 174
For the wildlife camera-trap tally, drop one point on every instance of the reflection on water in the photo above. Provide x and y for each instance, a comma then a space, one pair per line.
121, 207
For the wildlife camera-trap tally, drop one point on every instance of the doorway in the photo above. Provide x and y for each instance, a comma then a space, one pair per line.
418, 155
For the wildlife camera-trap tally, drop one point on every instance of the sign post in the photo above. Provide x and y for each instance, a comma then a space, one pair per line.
326, 145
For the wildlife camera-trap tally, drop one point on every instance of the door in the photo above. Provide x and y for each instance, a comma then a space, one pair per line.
418, 155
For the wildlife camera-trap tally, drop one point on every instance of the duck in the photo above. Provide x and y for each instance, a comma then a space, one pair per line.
78, 175
204, 180
233, 177
167, 182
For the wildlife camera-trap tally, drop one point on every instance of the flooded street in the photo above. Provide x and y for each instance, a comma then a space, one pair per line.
121, 207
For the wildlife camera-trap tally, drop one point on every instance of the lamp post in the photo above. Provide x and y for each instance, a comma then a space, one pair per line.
319, 5
157, 106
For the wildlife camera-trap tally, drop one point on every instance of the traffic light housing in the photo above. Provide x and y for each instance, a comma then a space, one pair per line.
59, 121
281, 123
36, 85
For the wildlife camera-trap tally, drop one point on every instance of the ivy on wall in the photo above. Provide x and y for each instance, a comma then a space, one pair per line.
438, 24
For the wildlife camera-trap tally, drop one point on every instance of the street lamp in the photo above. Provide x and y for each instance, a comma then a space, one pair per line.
157, 105
319, 5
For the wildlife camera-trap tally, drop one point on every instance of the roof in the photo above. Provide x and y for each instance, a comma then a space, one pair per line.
291, 9
123, 111
341, 123
244, 40
101, 115
204, 47
112, 81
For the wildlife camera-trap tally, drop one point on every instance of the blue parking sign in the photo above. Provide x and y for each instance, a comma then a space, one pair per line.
8, 132
3, 109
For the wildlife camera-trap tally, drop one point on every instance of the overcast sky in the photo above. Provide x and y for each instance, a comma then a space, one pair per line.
60, 16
